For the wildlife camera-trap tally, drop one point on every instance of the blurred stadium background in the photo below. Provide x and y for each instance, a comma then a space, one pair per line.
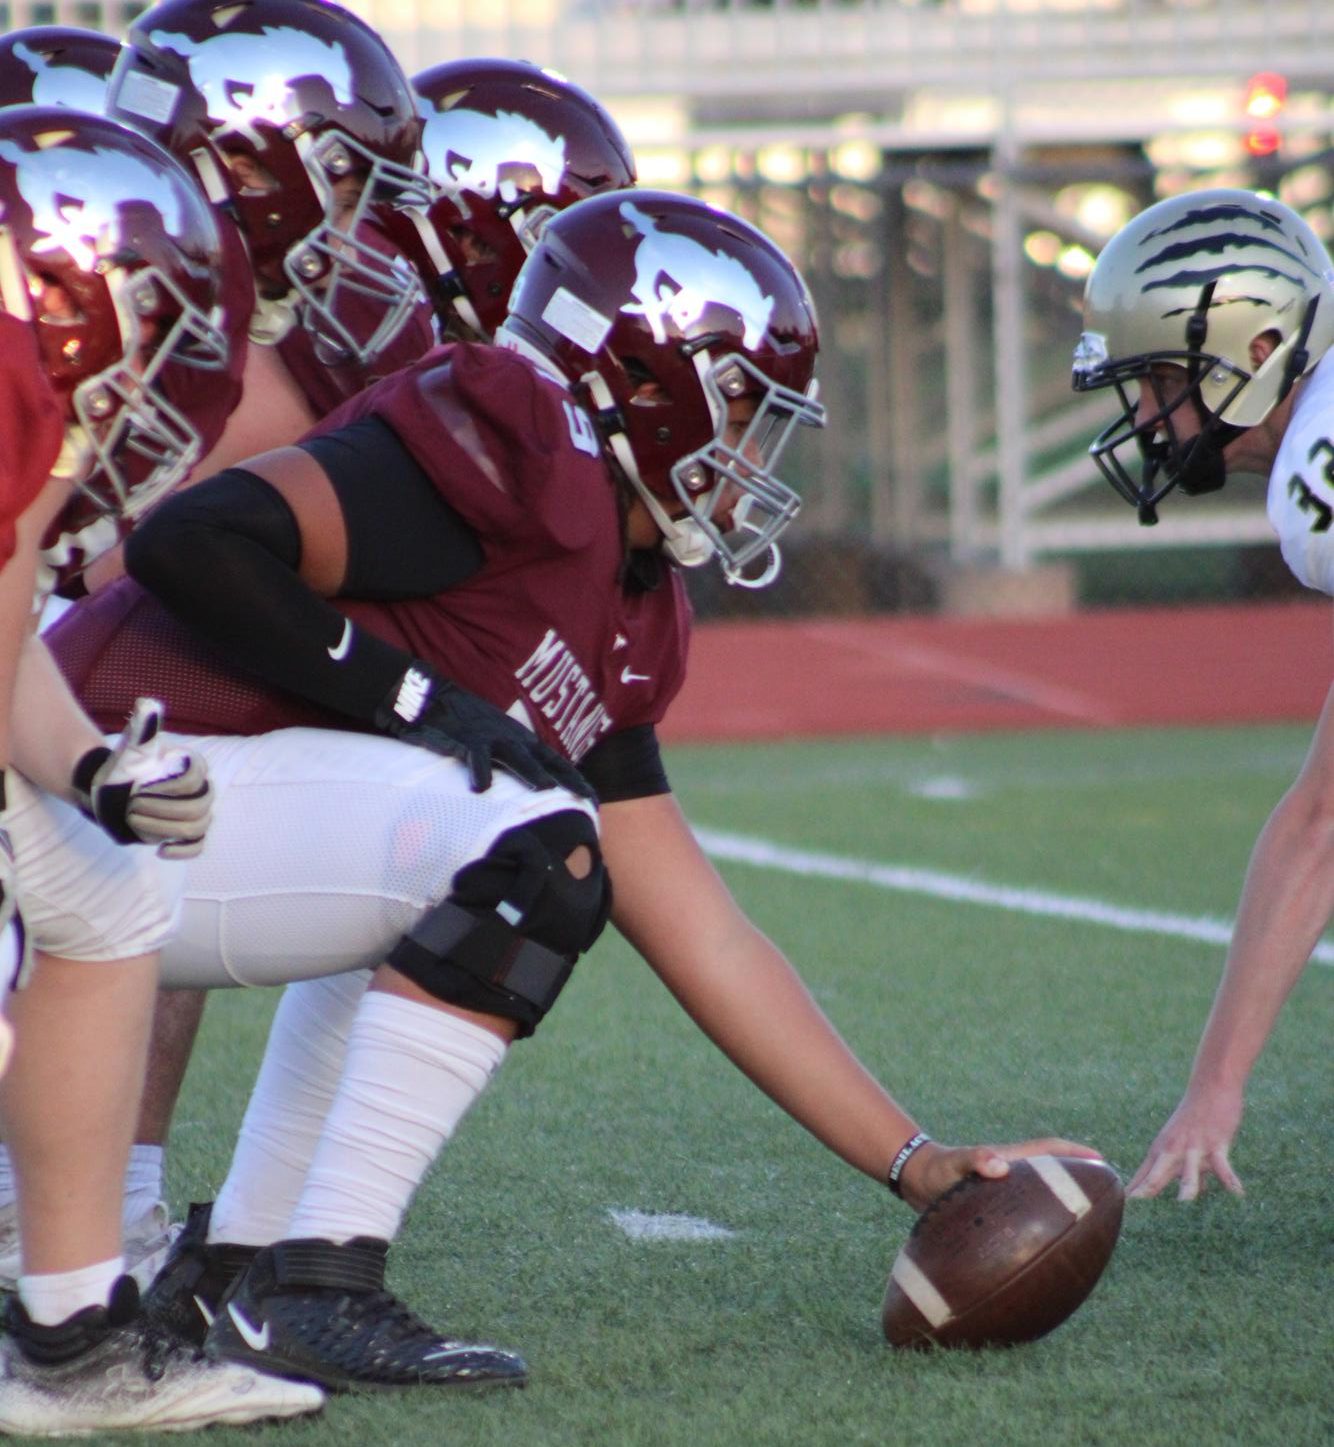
945, 171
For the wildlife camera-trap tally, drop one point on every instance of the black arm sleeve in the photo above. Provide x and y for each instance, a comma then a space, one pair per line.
403, 539
222, 556
626, 765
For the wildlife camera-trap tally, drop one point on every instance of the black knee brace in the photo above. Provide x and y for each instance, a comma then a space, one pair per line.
506, 939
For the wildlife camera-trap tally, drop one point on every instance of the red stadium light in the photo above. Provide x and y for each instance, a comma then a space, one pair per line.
1266, 95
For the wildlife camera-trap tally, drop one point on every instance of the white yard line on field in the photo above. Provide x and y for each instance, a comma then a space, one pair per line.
906, 879
656, 1226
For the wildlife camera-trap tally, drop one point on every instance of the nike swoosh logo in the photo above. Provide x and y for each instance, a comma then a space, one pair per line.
339, 651
257, 1341
204, 1311
628, 677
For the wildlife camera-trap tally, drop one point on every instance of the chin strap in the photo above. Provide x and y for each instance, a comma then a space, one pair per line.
684, 541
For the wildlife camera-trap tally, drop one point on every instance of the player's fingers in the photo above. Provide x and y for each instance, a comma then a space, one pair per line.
1158, 1169
1190, 1176
479, 770
524, 765
1222, 1168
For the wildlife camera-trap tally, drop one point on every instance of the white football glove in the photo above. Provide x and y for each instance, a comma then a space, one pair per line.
141, 792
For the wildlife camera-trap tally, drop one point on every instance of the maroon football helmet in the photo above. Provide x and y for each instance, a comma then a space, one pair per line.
110, 252
507, 144
56, 65
296, 114
661, 309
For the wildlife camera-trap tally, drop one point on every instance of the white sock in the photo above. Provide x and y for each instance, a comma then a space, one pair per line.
55, 1297
297, 1081
143, 1182
8, 1193
411, 1073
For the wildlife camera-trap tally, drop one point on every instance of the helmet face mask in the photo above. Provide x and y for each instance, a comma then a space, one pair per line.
110, 253
1177, 442
141, 443
281, 106
664, 312
1194, 284
333, 266
729, 488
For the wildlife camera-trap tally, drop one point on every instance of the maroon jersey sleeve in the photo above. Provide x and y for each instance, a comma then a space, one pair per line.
31, 426
498, 439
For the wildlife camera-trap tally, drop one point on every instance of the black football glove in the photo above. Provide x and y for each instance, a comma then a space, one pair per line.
434, 714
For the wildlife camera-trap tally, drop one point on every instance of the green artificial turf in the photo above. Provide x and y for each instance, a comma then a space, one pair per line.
1213, 1323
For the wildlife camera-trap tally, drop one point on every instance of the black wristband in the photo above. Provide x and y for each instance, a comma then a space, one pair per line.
85, 771
906, 1152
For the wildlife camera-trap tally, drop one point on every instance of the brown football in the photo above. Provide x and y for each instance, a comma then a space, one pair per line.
993, 1263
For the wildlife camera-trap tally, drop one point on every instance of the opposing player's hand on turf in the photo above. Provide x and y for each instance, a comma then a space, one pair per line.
435, 714
935, 1168
1193, 1146
143, 792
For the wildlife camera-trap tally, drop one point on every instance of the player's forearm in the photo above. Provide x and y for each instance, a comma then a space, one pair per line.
50, 731
670, 903
1286, 903
752, 1004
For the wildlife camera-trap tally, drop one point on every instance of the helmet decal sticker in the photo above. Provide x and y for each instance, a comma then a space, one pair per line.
479, 149
61, 85
676, 278
88, 226
222, 68
1219, 244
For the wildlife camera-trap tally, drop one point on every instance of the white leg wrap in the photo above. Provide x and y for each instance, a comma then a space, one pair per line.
412, 1071
297, 1081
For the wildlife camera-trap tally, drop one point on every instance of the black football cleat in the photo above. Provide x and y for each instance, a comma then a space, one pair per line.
319, 1312
187, 1291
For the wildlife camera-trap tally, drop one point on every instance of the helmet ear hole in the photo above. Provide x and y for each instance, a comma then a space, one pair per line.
1263, 346
647, 390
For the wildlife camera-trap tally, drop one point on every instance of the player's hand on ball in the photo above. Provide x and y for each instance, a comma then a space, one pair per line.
1193, 1146
143, 792
934, 1168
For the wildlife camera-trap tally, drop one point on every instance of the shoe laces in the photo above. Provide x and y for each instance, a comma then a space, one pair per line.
380, 1320
160, 1348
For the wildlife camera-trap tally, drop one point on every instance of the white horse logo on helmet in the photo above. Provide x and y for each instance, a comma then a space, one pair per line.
677, 278
228, 71
88, 228
478, 149
62, 85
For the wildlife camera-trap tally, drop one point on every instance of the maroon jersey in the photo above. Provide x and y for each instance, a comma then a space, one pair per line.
544, 629
31, 426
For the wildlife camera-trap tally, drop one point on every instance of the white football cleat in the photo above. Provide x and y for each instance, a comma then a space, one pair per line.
107, 1369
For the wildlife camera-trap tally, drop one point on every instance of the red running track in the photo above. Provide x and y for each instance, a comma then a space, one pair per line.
1110, 669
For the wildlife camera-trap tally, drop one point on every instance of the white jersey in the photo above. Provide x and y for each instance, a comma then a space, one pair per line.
1301, 485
